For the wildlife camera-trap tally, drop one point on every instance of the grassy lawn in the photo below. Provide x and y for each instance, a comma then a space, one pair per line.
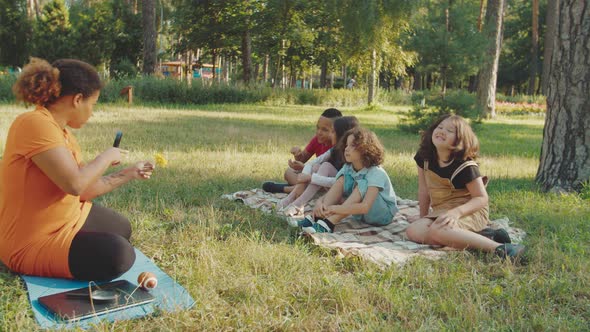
249, 271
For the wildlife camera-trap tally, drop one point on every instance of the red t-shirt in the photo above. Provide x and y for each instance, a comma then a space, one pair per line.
315, 147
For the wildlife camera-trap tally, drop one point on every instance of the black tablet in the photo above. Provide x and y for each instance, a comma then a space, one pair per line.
77, 304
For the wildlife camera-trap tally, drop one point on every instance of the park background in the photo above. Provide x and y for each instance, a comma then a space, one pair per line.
223, 89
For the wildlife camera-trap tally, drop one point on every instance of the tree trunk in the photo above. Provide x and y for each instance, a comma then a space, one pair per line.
265, 68
565, 153
481, 13
534, 48
551, 18
149, 37
324, 74
417, 81
488, 74
372, 76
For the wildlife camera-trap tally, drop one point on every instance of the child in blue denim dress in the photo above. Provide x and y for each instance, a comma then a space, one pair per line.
362, 189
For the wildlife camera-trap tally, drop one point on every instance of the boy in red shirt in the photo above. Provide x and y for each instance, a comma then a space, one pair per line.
320, 143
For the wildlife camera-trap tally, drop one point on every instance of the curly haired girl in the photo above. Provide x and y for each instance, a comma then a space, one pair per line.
362, 189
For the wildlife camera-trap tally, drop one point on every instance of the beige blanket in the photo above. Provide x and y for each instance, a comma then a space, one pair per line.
383, 245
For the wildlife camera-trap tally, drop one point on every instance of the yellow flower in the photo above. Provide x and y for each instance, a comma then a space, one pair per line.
160, 160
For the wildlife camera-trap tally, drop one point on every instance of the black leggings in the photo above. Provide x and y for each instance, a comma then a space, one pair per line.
101, 250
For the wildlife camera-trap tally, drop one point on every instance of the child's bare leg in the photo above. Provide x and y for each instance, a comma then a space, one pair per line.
325, 169
291, 176
354, 198
296, 192
461, 238
419, 231
426, 231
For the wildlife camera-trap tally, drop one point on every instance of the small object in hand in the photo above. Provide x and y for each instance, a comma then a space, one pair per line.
147, 280
118, 139
160, 160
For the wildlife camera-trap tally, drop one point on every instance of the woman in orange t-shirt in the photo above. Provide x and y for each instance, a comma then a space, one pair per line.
48, 225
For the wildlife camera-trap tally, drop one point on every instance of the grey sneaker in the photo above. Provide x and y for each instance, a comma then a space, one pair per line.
318, 227
513, 252
307, 221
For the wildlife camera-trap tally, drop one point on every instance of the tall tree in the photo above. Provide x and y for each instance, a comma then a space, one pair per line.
150, 56
128, 39
371, 31
14, 32
93, 31
488, 74
52, 35
447, 41
534, 48
551, 24
565, 153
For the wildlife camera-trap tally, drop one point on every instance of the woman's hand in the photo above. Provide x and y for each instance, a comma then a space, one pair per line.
303, 178
115, 155
296, 165
141, 170
448, 218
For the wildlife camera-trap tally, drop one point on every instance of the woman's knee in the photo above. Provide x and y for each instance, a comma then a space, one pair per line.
123, 256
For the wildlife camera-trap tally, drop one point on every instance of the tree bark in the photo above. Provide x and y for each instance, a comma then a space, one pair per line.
324, 74
149, 37
372, 75
265, 69
565, 153
481, 14
534, 48
551, 24
488, 74
246, 56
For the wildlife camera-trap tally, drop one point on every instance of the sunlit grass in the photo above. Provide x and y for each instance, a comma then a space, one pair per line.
249, 271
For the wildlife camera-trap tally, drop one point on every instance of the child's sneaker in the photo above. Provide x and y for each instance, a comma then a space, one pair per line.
514, 252
498, 235
318, 227
307, 221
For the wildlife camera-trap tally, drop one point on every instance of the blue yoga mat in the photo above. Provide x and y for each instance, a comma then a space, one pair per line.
169, 295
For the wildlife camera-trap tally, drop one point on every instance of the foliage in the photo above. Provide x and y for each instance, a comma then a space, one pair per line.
15, 31
53, 36
452, 52
515, 57
429, 106
6, 82
152, 90
93, 31
128, 40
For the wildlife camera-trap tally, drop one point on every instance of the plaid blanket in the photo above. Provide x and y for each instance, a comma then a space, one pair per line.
384, 245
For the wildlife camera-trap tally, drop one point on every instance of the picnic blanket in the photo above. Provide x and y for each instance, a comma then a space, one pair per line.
383, 245
170, 296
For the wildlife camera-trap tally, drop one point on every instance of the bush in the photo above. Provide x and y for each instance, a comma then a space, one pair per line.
520, 108
6, 82
527, 99
429, 106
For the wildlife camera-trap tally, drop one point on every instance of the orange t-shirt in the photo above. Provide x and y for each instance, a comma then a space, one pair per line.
38, 220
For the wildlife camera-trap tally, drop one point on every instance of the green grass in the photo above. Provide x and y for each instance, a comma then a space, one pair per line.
249, 271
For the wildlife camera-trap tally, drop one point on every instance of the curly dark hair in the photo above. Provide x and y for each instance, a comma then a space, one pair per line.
466, 145
368, 145
42, 83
